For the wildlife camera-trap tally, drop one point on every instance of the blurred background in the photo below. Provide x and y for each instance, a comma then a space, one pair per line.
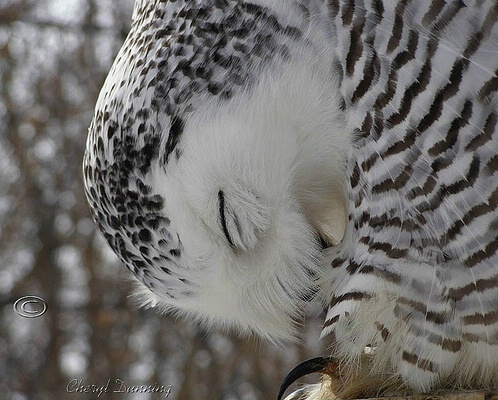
54, 56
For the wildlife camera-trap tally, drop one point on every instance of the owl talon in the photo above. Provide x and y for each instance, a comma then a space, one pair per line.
317, 364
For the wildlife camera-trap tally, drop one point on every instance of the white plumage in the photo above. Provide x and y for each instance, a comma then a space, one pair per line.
256, 150
232, 139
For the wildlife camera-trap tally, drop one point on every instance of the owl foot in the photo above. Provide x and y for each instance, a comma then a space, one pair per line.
339, 382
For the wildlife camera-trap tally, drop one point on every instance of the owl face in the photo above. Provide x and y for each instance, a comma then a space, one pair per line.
250, 255
242, 210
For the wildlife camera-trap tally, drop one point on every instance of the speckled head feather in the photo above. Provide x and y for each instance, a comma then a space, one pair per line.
197, 166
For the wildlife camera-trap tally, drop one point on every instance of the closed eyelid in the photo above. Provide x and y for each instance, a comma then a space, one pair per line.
221, 205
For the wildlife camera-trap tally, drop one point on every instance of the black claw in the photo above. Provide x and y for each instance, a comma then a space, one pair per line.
307, 367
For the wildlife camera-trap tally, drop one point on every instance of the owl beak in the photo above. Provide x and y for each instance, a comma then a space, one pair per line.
318, 364
324, 243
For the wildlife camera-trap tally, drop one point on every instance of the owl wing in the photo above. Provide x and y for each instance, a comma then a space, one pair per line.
416, 275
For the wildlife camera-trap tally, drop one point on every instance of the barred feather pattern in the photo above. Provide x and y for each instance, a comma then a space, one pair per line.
416, 276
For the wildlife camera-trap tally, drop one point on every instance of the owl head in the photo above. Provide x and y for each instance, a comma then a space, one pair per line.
221, 206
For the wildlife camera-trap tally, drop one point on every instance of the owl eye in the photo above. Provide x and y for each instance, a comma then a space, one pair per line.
222, 210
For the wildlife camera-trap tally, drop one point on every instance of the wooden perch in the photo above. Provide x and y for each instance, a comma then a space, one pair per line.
448, 396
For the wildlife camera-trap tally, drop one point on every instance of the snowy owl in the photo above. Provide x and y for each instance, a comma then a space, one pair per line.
250, 161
